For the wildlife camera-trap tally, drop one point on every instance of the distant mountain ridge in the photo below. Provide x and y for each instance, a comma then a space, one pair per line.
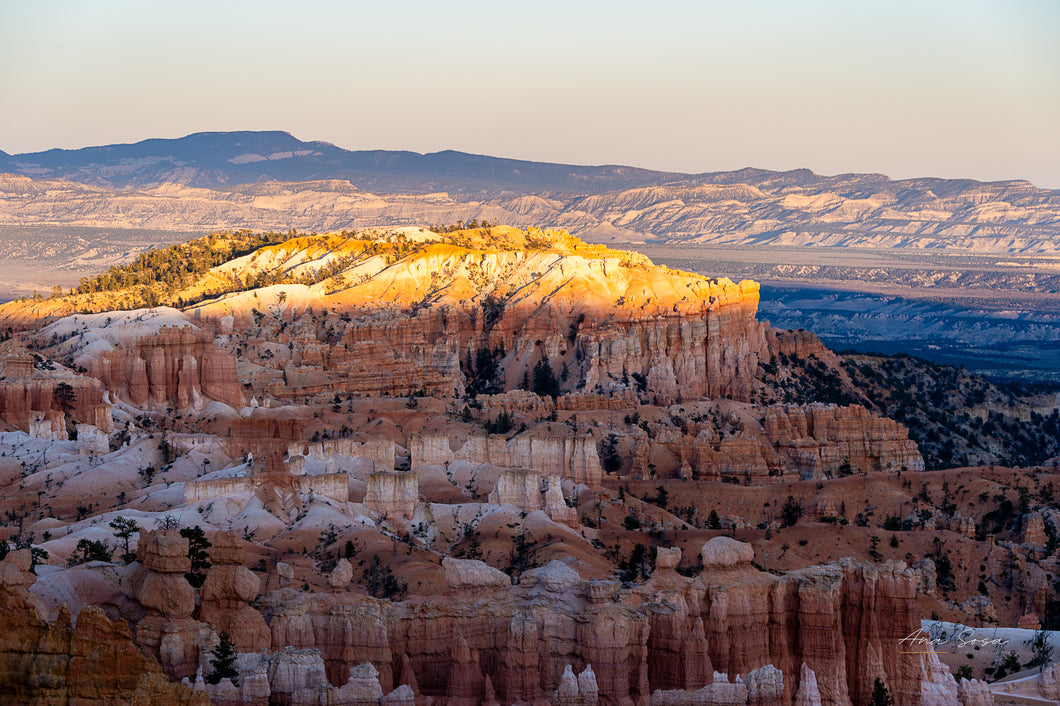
271, 180
218, 159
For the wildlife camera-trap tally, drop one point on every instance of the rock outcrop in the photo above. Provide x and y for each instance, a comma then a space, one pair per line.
177, 367
572, 458
529, 492
226, 592
468, 574
827, 631
88, 661
168, 631
601, 319
392, 494
791, 442
808, 694
1032, 530
40, 398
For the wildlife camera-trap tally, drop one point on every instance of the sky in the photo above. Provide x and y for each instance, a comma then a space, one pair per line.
967, 88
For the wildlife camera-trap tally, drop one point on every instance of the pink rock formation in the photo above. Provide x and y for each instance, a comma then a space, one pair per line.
603, 316
94, 662
572, 458
162, 588
1033, 529
167, 632
578, 690
726, 553
799, 344
1029, 621
177, 367
818, 439
811, 441
470, 574
228, 588
392, 494
972, 692
964, 525
30, 395
528, 491
556, 507
808, 694
1049, 685
842, 621
341, 576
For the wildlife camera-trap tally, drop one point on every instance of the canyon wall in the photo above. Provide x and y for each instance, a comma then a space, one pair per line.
843, 622
447, 318
486, 641
177, 367
573, 458
789, 442
32, 392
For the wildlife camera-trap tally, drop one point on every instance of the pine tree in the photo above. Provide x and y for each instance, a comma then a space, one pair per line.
124, 529
198, 552
880, 695
609, 456
66, 396
224, 661
545, 382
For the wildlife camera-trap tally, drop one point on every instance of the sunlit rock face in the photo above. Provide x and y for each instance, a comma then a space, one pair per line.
393, 323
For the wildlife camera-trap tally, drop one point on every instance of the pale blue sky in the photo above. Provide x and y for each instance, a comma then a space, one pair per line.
963, 88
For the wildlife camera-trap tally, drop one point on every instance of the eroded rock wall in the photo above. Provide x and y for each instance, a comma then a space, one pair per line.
573, 458
843, 621
177, 367
789, 442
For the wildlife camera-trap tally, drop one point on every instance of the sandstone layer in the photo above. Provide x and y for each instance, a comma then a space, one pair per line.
177, 367
90, 660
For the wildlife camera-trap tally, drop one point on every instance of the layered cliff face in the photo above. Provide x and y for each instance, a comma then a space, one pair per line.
572, 458
483, 309
152, 358
774, 444
177, 367
840, 624
39, 397
90, 660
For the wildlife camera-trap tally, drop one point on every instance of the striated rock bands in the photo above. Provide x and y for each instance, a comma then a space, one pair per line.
575, 458
178, 367
842, 621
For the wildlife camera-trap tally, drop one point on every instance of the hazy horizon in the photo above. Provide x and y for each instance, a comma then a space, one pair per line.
955, 90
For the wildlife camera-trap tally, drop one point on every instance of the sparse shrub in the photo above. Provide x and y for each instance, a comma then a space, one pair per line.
790, 512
